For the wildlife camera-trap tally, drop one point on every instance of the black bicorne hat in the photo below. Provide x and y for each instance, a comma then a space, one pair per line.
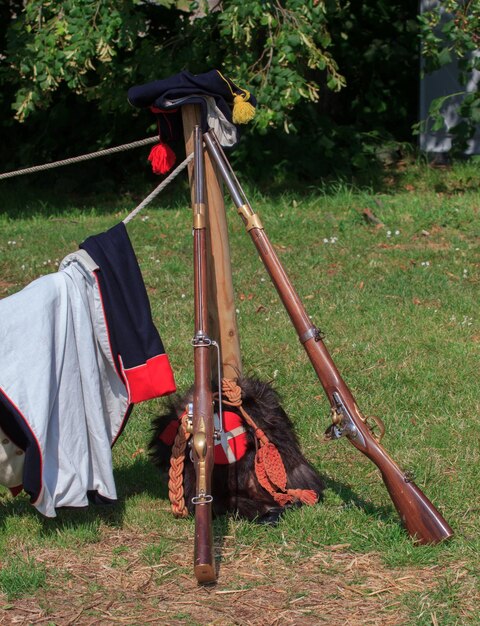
223, 104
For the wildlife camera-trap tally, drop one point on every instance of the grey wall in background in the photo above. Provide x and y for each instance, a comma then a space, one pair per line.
442, 83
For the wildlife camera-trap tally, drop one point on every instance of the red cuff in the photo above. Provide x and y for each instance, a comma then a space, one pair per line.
150, 380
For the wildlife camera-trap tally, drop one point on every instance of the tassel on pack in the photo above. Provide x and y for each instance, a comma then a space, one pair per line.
162, 158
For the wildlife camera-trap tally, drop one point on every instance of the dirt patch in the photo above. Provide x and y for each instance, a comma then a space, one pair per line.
111, 583
419, 244
5, 286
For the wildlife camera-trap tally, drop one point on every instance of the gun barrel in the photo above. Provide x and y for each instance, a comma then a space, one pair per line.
419, 516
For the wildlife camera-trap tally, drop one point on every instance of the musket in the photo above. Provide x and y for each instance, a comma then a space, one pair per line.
202, 410
419, 516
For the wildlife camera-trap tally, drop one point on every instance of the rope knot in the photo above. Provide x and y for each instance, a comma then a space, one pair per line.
232, 391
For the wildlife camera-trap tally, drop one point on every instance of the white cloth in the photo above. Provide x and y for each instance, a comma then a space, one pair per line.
57, 369
226, 132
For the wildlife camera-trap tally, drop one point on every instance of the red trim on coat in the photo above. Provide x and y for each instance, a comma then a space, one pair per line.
150, 380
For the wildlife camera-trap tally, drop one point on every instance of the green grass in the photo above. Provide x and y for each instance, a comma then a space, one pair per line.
400, 312
21, 576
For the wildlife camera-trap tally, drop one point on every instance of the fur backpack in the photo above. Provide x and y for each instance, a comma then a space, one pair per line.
259, 468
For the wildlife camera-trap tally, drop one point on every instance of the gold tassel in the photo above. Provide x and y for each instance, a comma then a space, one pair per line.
243, 111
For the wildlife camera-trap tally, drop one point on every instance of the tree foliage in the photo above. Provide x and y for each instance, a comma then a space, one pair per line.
97, 49
89, 48
450, 32
281, 49
332, 78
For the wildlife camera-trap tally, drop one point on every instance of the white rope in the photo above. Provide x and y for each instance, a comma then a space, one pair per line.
83, 157
100, 153
158, 189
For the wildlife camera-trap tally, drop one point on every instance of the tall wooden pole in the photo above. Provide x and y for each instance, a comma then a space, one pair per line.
221, 301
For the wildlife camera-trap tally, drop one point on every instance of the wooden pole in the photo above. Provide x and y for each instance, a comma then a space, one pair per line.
221, 301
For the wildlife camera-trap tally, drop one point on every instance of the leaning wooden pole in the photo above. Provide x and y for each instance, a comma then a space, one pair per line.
221, 301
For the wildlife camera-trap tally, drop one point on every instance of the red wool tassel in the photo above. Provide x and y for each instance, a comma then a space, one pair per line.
162, 158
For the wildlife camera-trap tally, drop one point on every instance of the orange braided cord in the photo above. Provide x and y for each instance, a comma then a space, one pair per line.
272, 476
175, 473
269, 467
259, 434
271, 460
270, 473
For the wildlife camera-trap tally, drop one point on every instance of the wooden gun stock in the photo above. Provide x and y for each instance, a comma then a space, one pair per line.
202, 410
421, 519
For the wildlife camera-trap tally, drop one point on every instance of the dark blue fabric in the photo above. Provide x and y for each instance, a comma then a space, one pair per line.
131, 329
185, 84
132, 333
15, 426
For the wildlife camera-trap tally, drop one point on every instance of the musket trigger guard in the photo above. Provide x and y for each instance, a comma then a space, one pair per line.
380, 425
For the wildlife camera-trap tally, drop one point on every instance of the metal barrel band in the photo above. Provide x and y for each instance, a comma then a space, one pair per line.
312, 333
250, 219
201, 341
199, 215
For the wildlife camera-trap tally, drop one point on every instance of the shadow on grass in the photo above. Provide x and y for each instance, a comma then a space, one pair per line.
66, 192
349, 497
278, 165
81, 188
143, 478
67, 518
140, 478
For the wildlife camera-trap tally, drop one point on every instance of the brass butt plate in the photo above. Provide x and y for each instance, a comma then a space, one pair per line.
205, 573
